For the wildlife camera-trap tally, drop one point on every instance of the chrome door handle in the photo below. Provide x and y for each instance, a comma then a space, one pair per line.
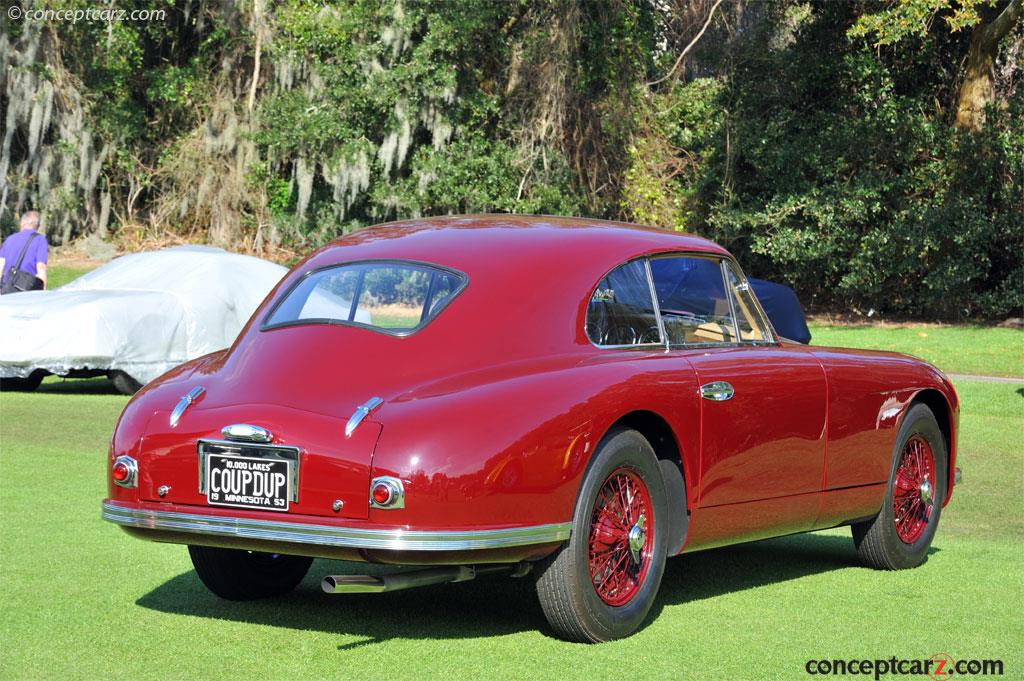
717, 391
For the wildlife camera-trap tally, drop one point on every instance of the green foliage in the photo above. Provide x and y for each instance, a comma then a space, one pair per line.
280, 198
668, 161
840, 177
386, 96
914, 18
473, 175
818, 159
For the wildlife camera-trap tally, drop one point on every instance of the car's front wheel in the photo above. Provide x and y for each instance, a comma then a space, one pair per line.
601, 584
900, 535
247, 575
125, 384
27, 384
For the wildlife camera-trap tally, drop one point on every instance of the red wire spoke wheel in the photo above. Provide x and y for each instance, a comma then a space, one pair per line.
900, 535
602, 582
914, 489
621, 537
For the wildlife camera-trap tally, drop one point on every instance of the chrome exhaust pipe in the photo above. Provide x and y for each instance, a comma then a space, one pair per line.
369, 584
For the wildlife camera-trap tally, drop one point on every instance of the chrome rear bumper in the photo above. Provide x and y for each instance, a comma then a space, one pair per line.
333, 536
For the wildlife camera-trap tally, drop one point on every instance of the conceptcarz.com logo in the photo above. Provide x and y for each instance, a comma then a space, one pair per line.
939, 667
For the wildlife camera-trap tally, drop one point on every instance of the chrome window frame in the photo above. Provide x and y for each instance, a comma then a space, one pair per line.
730, 296
325, 321
770, 339
662, 341
767, 330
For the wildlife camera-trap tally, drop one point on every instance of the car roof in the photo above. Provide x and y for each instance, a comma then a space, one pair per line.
529, 277
469, 242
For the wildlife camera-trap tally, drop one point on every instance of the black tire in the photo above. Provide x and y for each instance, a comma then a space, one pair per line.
125, 384
566, 590
26, 385
238, 575
877, 540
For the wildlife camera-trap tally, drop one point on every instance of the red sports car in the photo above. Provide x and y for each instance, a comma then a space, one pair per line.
573, 398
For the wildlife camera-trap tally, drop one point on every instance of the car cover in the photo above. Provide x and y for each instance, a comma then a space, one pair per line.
142, 314
783, 309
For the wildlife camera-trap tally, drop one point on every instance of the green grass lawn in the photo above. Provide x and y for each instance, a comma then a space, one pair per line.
81, 599
958, 349
63, 274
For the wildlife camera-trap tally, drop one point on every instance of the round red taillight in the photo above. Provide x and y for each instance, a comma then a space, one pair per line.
121, 472
382, 493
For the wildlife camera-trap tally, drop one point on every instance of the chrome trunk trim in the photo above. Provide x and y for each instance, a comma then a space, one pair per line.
361, 412
330, 535
184, 403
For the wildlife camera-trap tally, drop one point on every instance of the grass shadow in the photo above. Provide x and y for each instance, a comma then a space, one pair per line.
55, 385
495, 605
489, 606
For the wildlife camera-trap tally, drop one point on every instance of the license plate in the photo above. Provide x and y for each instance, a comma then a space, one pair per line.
248, 482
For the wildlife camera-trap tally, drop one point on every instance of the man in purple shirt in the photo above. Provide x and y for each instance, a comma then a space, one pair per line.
36, 256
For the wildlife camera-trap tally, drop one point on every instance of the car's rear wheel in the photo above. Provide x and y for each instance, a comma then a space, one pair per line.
26, 384
125, 384
247, 575
900, 535
602, 583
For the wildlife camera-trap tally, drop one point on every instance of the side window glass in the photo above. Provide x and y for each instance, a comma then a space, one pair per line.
694, 303
749, 322
620, 311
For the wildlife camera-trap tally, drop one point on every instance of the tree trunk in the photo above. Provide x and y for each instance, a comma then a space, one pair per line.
978, 89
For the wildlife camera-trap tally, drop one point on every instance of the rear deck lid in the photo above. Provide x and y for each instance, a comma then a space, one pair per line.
307, 467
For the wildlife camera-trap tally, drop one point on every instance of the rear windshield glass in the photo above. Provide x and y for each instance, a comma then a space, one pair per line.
396, 297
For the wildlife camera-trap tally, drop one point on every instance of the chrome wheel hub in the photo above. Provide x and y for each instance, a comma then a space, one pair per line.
926, 491
637, 538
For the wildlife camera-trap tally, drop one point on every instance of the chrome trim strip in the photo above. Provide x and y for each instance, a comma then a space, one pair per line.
361, 412
327, 535
655, 304
723, 268
770, 337
184, 403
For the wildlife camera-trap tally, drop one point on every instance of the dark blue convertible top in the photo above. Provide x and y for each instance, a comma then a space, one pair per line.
783, 309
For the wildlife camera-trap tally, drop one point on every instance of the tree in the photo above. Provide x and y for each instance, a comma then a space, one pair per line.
990, 21
977, 91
